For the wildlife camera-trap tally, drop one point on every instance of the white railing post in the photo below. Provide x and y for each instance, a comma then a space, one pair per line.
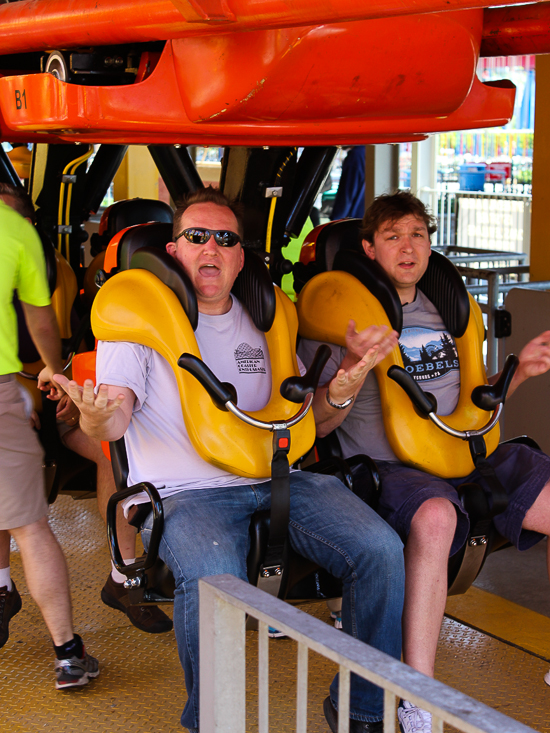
223, 710
222, 664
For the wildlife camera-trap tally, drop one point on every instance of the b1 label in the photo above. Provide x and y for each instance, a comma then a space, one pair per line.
20, 99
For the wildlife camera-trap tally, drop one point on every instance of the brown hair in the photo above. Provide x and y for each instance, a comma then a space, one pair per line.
22, 202
207, 195
389, 207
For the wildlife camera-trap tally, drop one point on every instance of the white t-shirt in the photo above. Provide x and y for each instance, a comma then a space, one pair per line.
429, 355
158, 447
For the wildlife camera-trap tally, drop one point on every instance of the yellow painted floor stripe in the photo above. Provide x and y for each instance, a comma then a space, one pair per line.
503, 619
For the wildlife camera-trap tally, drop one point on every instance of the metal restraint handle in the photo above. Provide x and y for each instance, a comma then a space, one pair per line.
294, 389
488, 396
426, 405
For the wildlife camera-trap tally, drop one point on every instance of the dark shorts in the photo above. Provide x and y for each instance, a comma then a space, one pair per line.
522, 471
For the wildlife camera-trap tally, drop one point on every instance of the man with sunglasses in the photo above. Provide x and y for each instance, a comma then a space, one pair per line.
207, 510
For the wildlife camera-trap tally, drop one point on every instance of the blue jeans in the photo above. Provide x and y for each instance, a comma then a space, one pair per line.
206, 533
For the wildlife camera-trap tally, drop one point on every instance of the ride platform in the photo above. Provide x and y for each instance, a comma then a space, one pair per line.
494, 646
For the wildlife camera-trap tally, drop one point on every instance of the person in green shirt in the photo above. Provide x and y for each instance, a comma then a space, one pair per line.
23, 506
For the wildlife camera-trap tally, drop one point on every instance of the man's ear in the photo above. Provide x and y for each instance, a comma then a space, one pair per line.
368, 248
171, 248
242, 257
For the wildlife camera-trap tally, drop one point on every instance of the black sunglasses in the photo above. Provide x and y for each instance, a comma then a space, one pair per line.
198, 235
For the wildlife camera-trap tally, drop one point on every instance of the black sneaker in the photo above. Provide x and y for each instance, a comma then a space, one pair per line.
355, 726
145, 618
10, 604
75, 672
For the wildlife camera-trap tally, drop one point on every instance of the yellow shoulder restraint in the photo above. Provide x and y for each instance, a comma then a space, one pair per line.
137, 306
327, 303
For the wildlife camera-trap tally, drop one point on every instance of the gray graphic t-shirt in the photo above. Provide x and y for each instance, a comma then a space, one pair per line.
429, 355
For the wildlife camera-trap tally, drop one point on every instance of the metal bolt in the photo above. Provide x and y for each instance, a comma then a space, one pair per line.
278, 571
473, 542
483, 540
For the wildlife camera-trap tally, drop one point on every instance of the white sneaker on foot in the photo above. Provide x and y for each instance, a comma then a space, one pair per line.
547, 678
413, 719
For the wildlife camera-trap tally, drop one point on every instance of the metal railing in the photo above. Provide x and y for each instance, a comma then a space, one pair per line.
224, 603
489, 286
484, 220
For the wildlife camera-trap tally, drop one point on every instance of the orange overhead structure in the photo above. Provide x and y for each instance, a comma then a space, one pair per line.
367, 81
515, 31
36, 25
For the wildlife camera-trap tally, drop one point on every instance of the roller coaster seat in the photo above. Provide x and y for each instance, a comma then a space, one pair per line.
116, 218
157, 278
357, 287
127, 213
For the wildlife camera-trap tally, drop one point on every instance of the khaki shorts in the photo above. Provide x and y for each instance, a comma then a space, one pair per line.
22, 496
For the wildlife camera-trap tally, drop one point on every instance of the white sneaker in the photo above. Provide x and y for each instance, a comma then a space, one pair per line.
547, 678
413, 719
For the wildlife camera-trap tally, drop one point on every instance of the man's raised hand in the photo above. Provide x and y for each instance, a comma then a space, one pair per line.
365, 349
534, 358
361, 344
96, 409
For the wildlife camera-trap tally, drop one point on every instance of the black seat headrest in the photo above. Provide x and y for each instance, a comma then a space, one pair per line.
334, 236
128, 213
331, 237
154, 234
444, 286
169, 271
254, 288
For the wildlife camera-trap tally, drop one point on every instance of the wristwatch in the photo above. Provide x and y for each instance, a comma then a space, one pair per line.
343, 406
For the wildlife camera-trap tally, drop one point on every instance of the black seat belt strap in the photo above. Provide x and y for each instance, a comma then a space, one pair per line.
280, 506
497, 494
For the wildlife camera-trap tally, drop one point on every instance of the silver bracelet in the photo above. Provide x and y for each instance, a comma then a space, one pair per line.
343, 406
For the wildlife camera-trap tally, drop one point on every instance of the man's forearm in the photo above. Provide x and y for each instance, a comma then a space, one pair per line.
42, 325
112, 428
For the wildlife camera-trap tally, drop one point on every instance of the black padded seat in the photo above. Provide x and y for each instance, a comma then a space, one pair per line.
128, 213
254, 288
334, 236
154, 235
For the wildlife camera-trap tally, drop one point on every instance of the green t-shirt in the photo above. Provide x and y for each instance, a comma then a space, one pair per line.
22, 268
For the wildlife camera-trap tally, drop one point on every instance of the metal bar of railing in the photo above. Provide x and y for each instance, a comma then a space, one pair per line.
263, 678
492, 305
477, 250
482, 257
301, 691
224, 603
506, 287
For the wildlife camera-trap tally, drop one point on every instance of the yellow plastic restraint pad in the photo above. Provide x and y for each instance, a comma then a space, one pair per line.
325, 306
136, 306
